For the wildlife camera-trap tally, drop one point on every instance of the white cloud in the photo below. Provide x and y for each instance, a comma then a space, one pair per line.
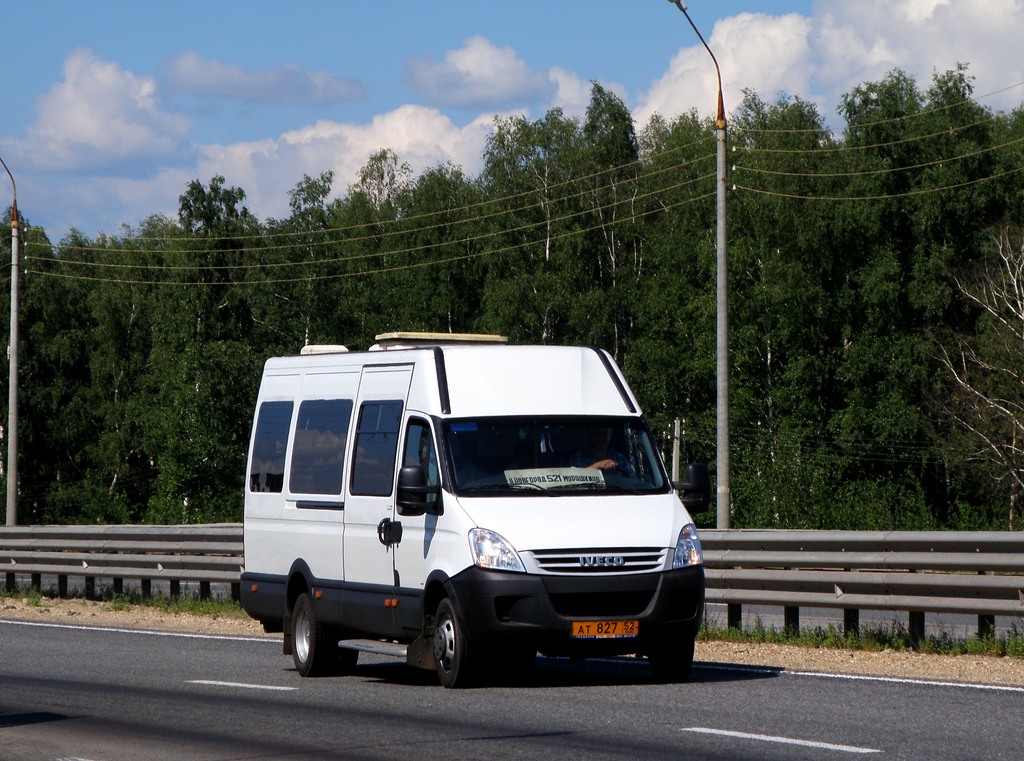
862, 42
843, 45
478, 75
768, 54
107, 121
572, 94
268, 169
99, 116
191, 74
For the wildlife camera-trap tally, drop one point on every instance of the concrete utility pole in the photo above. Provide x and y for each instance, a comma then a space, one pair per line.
724, 491
12, 382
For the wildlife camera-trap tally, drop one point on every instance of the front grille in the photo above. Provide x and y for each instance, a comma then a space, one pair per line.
600, 561
603, 604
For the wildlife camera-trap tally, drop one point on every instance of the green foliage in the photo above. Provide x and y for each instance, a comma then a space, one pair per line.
866, 366
194, 605
893, 637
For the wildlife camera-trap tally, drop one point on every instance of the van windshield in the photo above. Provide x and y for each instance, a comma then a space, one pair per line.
552, 456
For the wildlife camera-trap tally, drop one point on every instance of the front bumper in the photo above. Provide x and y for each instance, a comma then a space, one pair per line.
538, 610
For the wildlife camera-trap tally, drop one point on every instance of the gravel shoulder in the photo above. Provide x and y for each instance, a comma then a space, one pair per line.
974, 669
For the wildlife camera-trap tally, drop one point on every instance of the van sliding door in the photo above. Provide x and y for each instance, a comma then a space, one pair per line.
369, 563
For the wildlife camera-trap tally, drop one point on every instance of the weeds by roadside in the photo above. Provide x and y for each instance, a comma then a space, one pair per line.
215, 607
893, 636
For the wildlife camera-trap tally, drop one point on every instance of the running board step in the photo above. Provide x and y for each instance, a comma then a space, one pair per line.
419, 654
380, 647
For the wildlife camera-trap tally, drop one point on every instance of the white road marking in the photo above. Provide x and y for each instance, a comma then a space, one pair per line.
861, 677
782, 740
242, 685
185, 635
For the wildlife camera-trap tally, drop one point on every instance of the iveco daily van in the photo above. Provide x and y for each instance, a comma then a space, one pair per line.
466, 504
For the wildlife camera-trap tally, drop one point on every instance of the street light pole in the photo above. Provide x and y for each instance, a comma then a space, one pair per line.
724, 490
12, 381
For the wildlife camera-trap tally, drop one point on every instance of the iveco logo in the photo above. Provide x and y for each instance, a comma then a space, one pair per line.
602, 561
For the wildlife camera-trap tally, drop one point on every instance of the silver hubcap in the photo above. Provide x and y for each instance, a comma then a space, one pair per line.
301, 635
444, 643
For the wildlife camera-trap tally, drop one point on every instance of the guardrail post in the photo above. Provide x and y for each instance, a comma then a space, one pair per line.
147, 588
986, 627
734, 616
791, 618
62, 586
916, 628
986, 624
90, 588
851, 622
118, 586
204, 590
175, 589
12, 582
36, 581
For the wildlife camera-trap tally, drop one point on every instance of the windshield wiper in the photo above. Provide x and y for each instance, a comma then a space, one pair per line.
583, 485
507, 487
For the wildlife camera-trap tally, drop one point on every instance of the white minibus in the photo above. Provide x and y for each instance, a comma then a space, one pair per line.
466, 504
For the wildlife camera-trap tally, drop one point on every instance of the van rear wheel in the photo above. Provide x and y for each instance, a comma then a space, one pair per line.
455, 667
315, 650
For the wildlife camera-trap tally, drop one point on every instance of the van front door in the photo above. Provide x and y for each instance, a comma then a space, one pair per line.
415, 555
370, 506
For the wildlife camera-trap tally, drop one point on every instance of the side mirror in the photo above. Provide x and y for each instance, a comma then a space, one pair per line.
695, 491
413, 493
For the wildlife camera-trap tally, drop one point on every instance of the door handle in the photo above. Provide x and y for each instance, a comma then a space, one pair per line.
389, 532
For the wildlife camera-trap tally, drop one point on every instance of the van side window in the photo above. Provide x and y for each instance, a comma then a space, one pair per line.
318, 453
419, 451
266, 470
373, 468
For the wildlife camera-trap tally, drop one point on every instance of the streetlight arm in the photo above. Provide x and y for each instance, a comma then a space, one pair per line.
720, 118
14, 188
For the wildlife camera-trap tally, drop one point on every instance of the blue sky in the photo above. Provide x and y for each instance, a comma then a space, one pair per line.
111, 107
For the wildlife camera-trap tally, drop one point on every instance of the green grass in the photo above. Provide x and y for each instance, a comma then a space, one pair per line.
215, 607
34, 596
893, 636
212, 606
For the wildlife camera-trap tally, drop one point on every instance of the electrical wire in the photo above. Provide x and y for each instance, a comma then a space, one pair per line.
191, 240
381, 270
882, 196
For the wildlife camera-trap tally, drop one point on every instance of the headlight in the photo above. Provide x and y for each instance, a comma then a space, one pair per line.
688, 550
491, 551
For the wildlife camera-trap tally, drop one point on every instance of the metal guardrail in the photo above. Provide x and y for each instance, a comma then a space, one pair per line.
204, 554
974, 573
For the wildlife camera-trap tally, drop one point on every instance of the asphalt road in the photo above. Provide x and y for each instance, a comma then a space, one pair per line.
104, 695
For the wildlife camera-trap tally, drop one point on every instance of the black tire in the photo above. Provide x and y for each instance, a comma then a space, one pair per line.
671, 658
315, 650
455, 667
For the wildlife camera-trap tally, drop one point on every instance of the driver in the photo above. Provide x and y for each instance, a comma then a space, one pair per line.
600, 456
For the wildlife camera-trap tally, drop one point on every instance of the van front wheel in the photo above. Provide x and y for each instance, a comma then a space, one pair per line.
451, 650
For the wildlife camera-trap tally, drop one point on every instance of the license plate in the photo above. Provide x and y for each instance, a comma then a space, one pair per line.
605, 629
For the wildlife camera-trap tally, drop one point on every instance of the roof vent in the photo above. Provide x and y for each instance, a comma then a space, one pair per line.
323, 349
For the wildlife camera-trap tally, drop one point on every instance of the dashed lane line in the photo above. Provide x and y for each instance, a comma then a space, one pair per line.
242, 685
782, 740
